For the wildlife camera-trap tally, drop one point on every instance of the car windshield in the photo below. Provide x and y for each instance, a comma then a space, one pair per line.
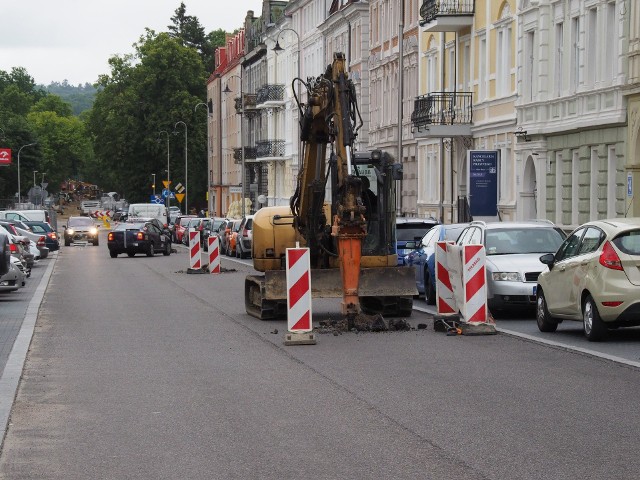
80, 222
130, 226
406, 232
508, 241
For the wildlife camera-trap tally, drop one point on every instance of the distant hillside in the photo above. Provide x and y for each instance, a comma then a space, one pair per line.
80, 97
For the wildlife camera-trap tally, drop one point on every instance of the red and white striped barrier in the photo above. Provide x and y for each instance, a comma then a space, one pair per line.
213, 244
194, 250
100, 214
475, 284
298, 290
445, 300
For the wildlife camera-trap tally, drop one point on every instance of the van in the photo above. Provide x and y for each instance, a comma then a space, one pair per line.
149, 210
26, 215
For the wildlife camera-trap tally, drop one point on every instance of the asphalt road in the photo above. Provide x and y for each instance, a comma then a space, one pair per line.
140, 370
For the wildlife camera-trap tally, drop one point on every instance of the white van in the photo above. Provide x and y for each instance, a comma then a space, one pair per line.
26, 215
149, 210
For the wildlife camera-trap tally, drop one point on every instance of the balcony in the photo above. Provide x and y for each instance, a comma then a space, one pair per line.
442, 114
250, 154
447, 15
250, 109
270, 96
270, 149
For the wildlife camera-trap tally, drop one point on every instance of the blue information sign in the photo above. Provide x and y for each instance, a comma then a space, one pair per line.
483, 183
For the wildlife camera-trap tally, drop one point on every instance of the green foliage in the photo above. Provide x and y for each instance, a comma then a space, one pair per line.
80, 97
146, 93
53, 103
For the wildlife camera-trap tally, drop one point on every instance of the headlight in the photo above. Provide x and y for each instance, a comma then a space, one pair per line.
506, 277
70, 231
93, 231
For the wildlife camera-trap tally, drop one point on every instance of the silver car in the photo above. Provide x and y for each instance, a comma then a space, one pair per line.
513, 251
15, 278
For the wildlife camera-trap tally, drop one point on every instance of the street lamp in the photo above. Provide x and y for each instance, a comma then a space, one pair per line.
168, 197
153, 185
186, 179
209, 203
242, 178
277, 48
20, 150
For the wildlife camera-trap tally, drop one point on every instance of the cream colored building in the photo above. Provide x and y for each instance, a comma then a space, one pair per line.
631, 11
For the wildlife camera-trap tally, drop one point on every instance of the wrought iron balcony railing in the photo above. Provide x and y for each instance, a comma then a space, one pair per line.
249, 102
270, 148
270, 93
250, 153
430, 9
442, 108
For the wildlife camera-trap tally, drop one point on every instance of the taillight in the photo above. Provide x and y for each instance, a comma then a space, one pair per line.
110, 237
140, 236
609, 258
41, 241
52, 235
245, 232
13, 247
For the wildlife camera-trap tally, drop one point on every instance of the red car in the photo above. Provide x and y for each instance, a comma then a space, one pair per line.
180, 226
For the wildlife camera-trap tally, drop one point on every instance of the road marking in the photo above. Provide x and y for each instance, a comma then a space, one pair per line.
551, 343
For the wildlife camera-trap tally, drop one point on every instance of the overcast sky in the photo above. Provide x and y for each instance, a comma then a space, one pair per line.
72, 40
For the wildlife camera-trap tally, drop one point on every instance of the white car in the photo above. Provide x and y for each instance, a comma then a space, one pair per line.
513, 251
15, 278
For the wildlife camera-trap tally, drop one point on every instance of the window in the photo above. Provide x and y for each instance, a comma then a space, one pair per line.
529, 67
559, 66
592, 239
575, 53
609, 71
503, 61
482, 73
591, 53
570, 246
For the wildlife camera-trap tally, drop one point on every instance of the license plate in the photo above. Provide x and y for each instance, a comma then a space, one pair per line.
534, 289
135, 244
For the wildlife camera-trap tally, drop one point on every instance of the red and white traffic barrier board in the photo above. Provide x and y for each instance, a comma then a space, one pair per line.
194, 250
475, 284
445, 300
213, 244
298, 290
100, 214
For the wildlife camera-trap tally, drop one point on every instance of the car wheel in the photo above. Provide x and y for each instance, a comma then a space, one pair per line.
546, 323
238, 251
429, 289
67, 242
594, 327
96, 242
150, 250
167, 249
113, 253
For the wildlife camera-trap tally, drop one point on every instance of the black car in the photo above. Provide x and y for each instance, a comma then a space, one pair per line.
80, 229
148, 236
410, 231
51, 237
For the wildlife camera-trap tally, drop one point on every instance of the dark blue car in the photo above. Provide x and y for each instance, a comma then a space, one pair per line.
410, 230
424, 258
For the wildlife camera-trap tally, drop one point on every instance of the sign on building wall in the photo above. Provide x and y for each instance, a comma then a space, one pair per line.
483, 181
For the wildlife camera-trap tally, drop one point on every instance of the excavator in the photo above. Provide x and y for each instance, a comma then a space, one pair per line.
343, 209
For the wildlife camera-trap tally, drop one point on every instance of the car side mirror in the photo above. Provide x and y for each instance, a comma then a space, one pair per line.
410, 245
548, 259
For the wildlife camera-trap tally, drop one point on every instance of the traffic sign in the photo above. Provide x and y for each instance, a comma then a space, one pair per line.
165, 193
179, 197
179, 188
157, 199
166, 183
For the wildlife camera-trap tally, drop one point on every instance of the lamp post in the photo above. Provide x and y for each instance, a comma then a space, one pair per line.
20, 150
153, 185
210, 201
42, 186
242, 178
34, 186
168, 197
277, 48
186, 178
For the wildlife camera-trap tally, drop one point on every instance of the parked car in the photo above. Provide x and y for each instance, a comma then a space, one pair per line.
120, 216
194, 224
80, 229
179, 227
593, 278
51, 236
210, 227
410, 230
423, 258
232, 241
513, 258
174, 212
19, 247
224, 235
15, 278
148, 236
244, 237
37, 243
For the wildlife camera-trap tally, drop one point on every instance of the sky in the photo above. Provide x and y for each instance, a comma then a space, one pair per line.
57, 40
